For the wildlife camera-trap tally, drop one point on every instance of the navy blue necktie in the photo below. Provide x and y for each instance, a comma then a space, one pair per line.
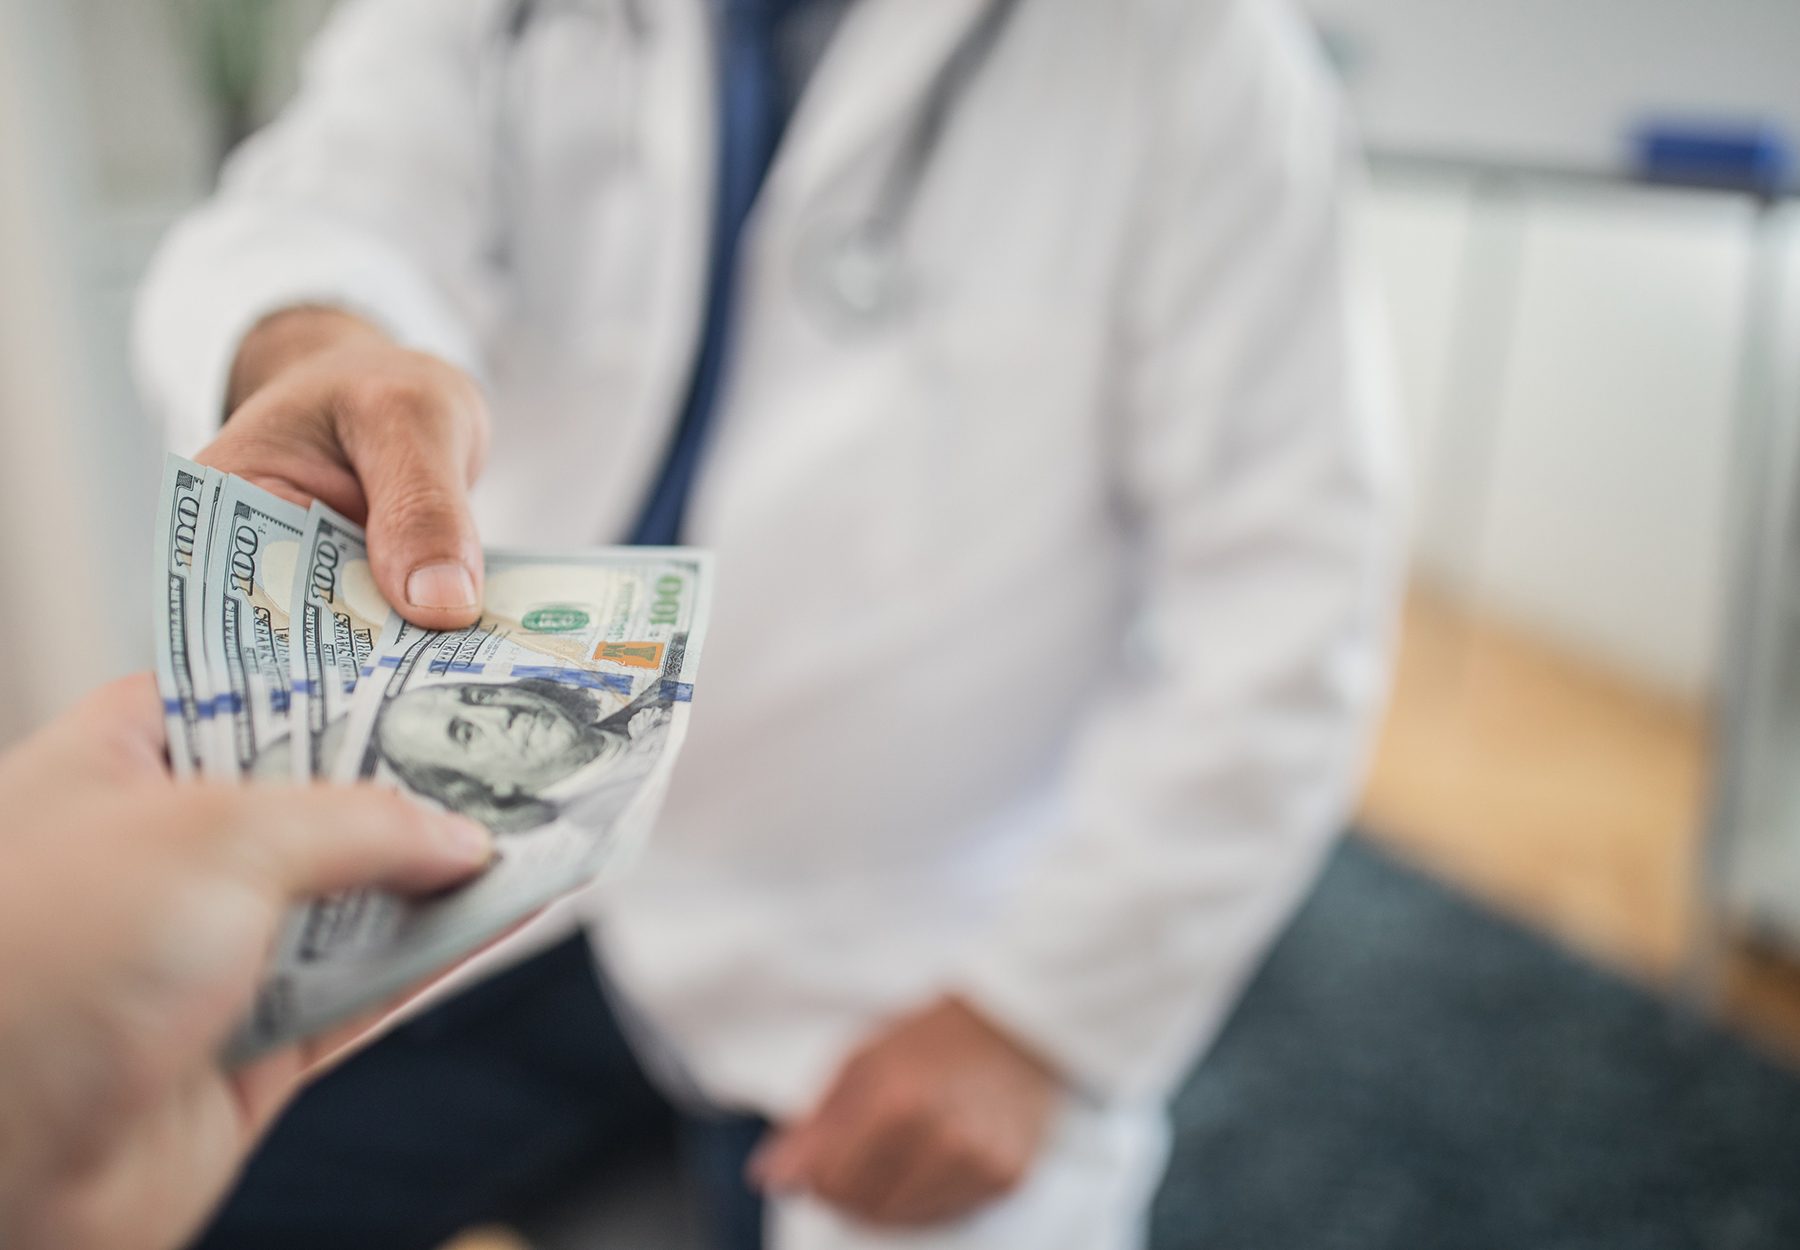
750, 125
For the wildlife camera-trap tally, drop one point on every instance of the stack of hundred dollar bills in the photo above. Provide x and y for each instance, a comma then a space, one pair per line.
554, 720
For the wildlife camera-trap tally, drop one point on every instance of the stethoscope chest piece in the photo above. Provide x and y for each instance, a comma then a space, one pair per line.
852, 277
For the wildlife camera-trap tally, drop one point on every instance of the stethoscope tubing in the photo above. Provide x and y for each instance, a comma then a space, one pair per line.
858, 270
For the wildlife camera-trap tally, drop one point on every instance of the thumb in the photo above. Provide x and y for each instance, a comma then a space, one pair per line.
416, 440
315, 840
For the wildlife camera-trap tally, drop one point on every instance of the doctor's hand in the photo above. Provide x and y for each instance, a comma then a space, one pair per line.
324, 405
136, 916
937, 1115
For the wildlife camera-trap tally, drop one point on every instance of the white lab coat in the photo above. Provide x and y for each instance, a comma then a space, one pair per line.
1052, 614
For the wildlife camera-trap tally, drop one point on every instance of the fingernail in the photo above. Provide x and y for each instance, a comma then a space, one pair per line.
468, 840
445, 585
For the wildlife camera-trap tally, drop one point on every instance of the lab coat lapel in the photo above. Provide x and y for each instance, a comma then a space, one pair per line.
796, 397
876, 71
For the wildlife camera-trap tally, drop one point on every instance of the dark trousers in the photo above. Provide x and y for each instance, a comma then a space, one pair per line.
478, 1111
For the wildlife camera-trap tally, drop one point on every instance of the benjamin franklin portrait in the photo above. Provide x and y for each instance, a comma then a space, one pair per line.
492, 751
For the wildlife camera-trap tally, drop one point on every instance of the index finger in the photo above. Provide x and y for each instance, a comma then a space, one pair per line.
306, 841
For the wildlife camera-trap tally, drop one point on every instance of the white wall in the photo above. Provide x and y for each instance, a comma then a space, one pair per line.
63, 607
1558, 82
103, 141
1570, 359
1569, 356
1610, 472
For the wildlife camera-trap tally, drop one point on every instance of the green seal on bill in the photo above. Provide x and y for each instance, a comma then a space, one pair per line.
557, 618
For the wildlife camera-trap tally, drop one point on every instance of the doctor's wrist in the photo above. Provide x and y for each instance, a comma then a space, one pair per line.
283, 339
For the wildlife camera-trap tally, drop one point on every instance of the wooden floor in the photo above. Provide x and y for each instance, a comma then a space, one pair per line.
1565, 796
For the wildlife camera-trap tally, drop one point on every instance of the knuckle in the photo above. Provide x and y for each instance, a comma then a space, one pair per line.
904, 1105
397, 396
120, 1073
952, 1142
367, 813
859, 1069
224, 850
259, 847
391, 816
832, 1185
419, 503
288, 399
990, 1166
217, 813
999, 1171
453, 382
963, 1154
415, 393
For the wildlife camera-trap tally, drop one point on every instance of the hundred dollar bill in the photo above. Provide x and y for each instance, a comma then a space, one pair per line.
179, 596
250, 561
337, 615
212, 491
554, 720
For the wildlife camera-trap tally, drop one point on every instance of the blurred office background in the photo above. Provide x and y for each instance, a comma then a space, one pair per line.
1596, 717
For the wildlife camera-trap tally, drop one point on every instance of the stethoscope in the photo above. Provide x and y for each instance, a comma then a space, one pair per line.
852, 275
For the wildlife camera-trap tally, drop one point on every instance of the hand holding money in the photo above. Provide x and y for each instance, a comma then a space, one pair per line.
325, 406
120, 1126
553, 719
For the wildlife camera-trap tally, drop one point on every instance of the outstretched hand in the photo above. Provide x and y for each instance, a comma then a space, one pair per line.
325, 406
136, 917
